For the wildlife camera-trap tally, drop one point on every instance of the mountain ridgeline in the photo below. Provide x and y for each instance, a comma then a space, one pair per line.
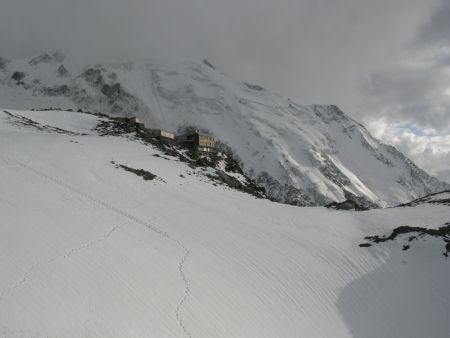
302, 155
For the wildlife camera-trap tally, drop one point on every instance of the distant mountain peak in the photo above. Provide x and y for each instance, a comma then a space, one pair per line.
47, 58
303, 155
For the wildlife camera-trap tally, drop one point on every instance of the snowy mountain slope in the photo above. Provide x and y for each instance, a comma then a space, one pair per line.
305, 155
89, 249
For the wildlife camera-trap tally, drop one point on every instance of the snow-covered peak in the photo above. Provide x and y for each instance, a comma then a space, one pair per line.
46, 58
305, 155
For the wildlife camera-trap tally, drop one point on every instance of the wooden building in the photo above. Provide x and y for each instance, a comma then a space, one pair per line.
162, 136
200, 142
134, 120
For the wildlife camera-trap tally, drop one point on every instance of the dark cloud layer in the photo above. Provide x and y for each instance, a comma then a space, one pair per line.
437, 29
384, 60
311, 50
407, 102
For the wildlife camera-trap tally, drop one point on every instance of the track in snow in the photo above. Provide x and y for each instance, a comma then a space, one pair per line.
65, 256
17, 285
135, 219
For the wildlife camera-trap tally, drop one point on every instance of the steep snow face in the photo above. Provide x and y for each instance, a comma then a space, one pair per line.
305, 155
88, 249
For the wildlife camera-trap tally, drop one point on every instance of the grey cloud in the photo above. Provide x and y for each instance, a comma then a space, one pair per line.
412, 94
437, 29
415, 89
430, 152
311, 50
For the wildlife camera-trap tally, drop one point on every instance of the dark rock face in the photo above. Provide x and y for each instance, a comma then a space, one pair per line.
421, 232
18, 77
146, 175
363, 202
284, 193
93, 76
46, 58
249, 187
346, 205
111, 91
116, 126
120, 102
254, 87
328, 113
352, 202
56, 91
330, 170
206, 62
62, 71
43, 58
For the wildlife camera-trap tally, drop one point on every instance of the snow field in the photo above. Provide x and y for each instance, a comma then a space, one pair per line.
91, 250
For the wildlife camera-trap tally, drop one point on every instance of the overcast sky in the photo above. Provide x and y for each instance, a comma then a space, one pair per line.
385, 62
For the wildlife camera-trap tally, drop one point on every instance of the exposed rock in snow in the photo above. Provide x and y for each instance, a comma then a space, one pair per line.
442, 197
18, 77
414, 234
46, 58
62, 71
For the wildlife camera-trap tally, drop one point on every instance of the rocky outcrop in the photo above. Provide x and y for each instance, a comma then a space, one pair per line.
111, 91
18, 77
409, 234
62, 71
46, 58
346, 205
442, 197
62, 90
254, 87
